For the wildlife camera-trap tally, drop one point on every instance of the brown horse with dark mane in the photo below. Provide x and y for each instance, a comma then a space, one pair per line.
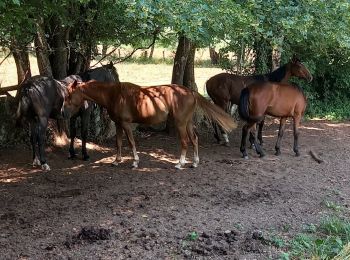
275, 99
225, 88
128, 103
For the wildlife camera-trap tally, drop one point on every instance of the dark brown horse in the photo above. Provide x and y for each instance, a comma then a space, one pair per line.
225, 88
127, 103
275, 99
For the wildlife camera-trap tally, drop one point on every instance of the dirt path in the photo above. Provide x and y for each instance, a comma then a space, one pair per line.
220, 210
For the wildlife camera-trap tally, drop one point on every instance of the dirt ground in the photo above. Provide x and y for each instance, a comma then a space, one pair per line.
224, 209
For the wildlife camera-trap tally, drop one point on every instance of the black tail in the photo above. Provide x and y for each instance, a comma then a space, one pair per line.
243, 107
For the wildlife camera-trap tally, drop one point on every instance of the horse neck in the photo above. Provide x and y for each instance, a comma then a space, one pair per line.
98, 92
282, 74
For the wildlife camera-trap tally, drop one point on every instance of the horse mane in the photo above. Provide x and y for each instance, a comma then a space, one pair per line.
278, 74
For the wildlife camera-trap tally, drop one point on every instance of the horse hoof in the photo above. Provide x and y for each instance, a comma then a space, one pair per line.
86, 157
297, 154
45, 167
194, 165
245, 157
72, 156
277, 153
227, 144
115, 163
36, 162
135, 165
179, 166
262, 155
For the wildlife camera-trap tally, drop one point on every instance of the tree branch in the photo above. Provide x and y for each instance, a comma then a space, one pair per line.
131, 53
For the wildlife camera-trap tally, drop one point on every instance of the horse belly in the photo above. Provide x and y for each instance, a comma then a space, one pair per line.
153, 111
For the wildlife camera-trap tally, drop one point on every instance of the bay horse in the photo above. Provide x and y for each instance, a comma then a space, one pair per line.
275, 99
41, 98
225, 89
128, 103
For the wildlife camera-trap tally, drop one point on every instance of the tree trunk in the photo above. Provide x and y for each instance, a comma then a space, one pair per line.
180, 60
263, 61
276, 58
59, 58
214, 56
104, 49
21, 56
189, 79
152, 51
183, 69
42, 50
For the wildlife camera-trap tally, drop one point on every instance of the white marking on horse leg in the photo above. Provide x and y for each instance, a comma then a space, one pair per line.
45, 167
36, 162
182, 161
225, 136
195, 161
135, 163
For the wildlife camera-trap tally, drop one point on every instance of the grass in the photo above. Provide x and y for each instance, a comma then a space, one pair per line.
327, 240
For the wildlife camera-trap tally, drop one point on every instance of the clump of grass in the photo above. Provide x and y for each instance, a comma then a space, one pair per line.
327, 240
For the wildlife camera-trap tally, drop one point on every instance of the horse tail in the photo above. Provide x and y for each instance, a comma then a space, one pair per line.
243, 106
19, 114
215, 113
21, 110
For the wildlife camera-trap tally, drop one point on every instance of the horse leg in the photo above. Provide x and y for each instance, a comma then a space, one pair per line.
85, 117
257, 146
227, 108
129, 135
183, 138
119, 136
260, 127
194, 140
280, 135
41, 142
73, 134
34, 141
296, 124
216, 132
245, 131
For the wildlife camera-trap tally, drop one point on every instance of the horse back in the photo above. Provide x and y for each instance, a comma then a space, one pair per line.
40, 96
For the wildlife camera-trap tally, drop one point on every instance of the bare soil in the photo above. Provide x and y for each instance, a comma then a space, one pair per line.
227, 208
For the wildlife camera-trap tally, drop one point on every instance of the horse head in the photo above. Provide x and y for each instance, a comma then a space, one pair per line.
298, 69
73, 100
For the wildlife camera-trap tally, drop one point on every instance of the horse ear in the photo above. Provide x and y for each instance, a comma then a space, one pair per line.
111, 64
73, 86
295, 58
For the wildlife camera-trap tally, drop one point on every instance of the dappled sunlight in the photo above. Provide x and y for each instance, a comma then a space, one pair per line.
61, 140
161, 157
14, 175
338, 125
93, 146
311, 128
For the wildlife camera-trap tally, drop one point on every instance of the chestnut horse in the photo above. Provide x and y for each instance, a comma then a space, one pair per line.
128, 103
225, 88
275, 99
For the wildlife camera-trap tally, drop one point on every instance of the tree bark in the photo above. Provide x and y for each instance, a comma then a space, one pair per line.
152, 51
214, 56
180, 60
104, 49
59, 57
189, 79
42, 50
21, 57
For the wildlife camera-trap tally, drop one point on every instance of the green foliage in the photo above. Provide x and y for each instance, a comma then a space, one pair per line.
326, 241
